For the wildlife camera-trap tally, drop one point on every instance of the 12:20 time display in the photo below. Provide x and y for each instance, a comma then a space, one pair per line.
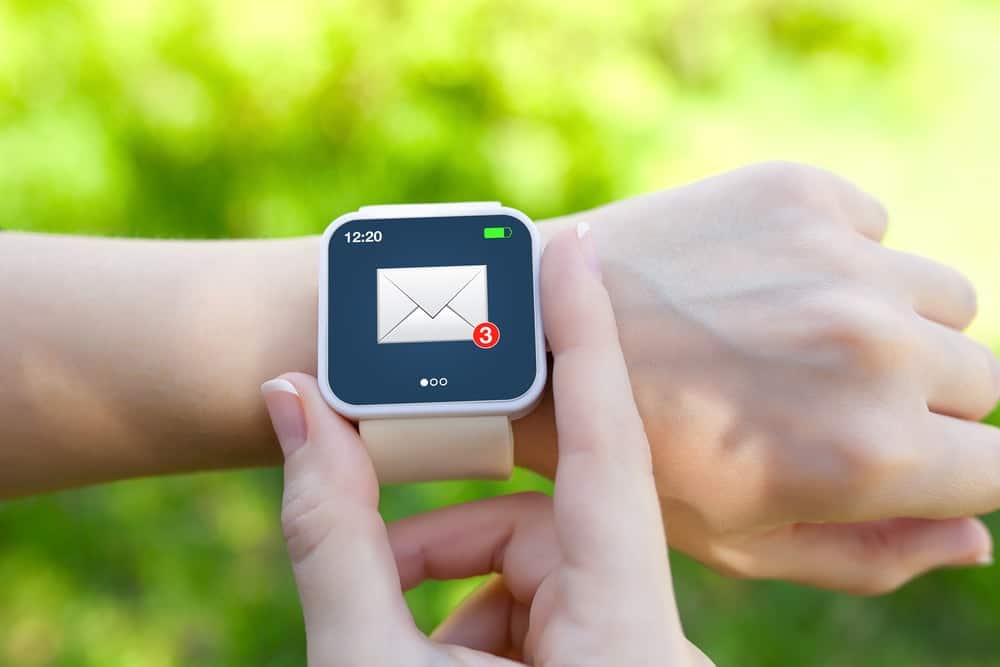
370, 236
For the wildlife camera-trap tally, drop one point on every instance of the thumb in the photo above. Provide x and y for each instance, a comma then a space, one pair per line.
343, 564
874, 557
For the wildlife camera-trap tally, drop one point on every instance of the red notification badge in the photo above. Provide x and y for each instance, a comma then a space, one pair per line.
486, 335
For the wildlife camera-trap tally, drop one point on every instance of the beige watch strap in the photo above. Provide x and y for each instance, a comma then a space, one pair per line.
439, 448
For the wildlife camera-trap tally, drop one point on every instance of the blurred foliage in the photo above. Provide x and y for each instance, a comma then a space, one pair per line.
219, 118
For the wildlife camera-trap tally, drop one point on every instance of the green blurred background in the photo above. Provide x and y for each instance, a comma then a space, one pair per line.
226, 118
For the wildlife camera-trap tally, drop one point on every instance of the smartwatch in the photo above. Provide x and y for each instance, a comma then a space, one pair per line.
430, 335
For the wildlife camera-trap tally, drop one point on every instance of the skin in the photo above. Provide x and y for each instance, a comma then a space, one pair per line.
563, 596
834, 441
810, 400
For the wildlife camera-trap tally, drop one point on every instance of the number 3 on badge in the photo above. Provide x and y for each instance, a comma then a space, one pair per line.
486, 335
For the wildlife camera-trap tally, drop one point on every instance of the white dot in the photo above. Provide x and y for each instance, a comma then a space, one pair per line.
423, 382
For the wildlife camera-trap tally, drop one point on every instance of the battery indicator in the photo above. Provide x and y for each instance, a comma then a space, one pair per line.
497, 232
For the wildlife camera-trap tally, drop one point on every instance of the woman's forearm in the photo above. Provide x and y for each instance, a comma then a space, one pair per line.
125, 358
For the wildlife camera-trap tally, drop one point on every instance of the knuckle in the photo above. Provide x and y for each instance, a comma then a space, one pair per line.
876, 545
870, 458
831, 252
796, 184
936, 282
892, 349
868, 331
307, 518
862, 458
786, 491
848, 465
818, 240
822, 195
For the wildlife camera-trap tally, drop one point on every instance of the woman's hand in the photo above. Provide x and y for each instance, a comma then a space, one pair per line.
810, 400
584, 577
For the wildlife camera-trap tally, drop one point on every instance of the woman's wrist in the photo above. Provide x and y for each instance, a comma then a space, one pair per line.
181, 337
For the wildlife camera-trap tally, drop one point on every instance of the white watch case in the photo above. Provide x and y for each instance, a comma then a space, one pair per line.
513, 408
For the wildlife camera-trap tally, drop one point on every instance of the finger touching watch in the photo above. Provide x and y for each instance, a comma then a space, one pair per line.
430, 335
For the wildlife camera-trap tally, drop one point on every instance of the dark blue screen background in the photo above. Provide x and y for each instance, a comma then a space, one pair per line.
364, 372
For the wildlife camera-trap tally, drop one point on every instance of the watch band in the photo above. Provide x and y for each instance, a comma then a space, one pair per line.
439, 448
423, 449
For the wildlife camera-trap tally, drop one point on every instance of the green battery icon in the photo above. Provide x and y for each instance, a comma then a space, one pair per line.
497, 232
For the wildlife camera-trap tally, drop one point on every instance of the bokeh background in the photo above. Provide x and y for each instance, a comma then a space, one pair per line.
247, 118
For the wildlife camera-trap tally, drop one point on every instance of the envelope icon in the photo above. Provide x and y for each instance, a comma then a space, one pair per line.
430, 303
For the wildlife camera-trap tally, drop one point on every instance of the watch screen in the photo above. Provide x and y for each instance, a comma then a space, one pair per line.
428, 310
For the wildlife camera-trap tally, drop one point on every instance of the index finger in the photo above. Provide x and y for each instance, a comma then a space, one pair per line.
605, 497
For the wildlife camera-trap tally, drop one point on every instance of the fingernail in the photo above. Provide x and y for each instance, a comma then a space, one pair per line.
588, 248
287, 416
983, 560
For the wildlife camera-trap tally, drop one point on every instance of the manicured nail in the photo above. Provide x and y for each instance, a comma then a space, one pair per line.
982, 560
287, 416
588, 248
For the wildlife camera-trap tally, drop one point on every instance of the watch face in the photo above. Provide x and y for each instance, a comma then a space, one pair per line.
431, 310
